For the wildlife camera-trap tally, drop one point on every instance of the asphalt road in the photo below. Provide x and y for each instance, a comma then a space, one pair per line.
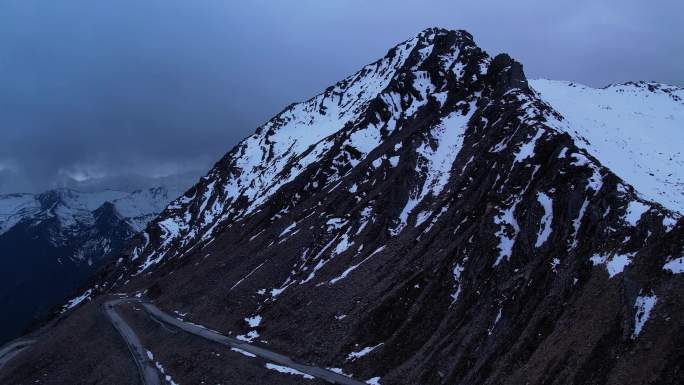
13, 348
320, 373
149, 375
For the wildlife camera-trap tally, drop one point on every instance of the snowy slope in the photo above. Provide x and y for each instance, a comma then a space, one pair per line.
350, 121
15, 207
73, 208
634, 129
347, 122
141, 206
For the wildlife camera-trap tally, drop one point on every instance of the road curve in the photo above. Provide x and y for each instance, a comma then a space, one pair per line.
13, 348
148, 372
320, 373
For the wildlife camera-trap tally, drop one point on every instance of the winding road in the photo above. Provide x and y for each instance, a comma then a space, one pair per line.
148, 372
149, 375
265, 354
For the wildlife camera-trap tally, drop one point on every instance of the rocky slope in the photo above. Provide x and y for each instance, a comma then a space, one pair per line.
51, 243
431, 219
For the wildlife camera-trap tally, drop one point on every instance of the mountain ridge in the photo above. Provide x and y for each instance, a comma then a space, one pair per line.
444, 227
515, 79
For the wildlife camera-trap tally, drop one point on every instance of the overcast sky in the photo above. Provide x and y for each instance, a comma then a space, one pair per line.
153, 87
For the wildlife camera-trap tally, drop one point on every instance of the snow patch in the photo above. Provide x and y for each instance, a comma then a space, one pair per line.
675, 266
288, 229
169, 380
669, 223
249, 337
458, 270
72, 303
253, 321
635, 210
506, 221
354, 267
642, 308
526, 150
615, 265
363, 352
243, 352
546, 220
287, 370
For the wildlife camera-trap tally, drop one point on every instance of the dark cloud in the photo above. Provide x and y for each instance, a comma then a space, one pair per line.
92, 89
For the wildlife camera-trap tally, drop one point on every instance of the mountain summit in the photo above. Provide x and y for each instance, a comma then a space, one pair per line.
431, 219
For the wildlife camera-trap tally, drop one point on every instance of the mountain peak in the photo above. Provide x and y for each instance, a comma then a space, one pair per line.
439, 70
509, 73
395, 108
434, 31
431, 33
432, 204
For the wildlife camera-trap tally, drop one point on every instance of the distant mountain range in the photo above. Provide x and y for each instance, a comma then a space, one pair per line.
434, 218
51, 243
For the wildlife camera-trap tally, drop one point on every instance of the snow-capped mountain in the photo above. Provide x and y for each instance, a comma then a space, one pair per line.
431, 219
50, 243
74, 211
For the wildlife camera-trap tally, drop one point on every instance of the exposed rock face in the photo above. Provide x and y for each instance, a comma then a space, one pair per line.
428, 220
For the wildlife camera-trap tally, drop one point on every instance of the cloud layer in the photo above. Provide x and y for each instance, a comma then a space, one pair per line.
90, 89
